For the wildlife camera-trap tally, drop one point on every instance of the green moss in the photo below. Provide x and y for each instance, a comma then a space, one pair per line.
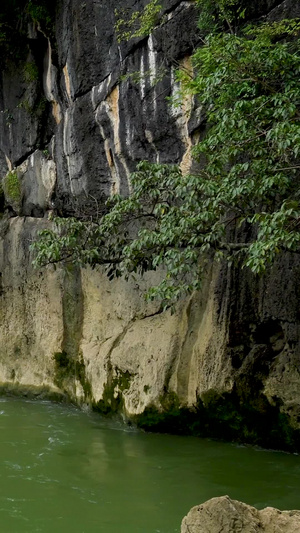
17, 351
169, 417
81, 376
223, 417
40, 106
110, 403
61, 359
243, 415
2, 200
31, 72
12, 187
64, 369
229, 416
122, 380
112, 399
37, 108
68, 369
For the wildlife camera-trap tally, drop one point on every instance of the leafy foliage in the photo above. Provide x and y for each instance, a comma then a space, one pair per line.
282, 28
251, 152
242, 204
216, 16
40, 11
138, 23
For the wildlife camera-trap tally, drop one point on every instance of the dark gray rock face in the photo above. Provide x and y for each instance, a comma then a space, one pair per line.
99, 126
84, 109
74, 128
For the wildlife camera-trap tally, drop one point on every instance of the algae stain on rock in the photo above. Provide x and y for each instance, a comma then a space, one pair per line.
69, 366
221, 416
68, 371
63, 369
112, 401
72, 303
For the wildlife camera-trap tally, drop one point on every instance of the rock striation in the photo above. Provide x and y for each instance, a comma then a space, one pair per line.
224, 515
227, 362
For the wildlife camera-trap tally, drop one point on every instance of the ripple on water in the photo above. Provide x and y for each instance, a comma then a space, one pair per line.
73, 472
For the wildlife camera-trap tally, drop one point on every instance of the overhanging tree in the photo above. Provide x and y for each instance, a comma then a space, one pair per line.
243, 203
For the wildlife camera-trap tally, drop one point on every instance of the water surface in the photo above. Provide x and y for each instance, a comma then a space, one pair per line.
62, 470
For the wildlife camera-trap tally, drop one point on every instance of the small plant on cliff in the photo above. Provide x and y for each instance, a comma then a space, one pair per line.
242, 204
31, 72
139, 23
40, 13
12, 186
216, 16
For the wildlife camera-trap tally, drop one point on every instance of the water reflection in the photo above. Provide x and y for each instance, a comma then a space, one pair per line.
63, 470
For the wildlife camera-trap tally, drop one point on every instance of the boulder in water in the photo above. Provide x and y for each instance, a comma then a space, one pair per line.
224, 515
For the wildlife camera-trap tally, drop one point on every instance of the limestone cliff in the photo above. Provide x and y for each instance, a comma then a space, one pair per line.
227, 362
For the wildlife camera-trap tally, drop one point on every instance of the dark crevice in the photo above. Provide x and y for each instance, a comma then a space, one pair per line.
119, 338
24, 157
156, 313
28, 154
84, 93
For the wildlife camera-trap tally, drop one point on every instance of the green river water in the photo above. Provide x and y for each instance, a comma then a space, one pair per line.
66, 471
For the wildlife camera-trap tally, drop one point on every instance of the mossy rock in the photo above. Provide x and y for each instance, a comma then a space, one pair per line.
69, 369
112, 401
224, 417
12, 189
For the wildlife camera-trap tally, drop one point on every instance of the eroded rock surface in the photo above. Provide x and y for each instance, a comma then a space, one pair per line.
223, 515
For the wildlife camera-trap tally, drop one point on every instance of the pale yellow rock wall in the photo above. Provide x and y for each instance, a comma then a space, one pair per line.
107, 325
31, 326
109, 330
